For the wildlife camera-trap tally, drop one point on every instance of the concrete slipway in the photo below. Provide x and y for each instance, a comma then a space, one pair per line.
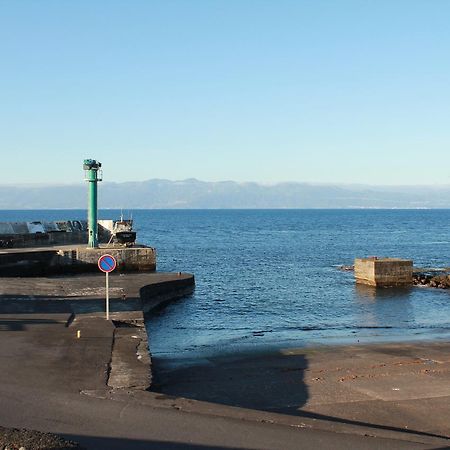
92, 389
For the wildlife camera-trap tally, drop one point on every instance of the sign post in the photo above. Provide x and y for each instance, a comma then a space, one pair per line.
107, 263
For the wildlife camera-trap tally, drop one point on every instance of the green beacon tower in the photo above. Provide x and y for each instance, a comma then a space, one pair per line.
93, 174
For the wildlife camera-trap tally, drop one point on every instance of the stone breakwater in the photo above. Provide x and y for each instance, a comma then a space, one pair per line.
440, 281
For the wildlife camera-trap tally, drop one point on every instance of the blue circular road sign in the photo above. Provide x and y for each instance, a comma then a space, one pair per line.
107, 263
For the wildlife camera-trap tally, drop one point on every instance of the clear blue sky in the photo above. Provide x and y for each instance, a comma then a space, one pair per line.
269, 91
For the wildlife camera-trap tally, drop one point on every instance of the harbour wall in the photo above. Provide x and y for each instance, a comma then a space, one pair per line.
156, 295
73, 259
38, 234
27, 240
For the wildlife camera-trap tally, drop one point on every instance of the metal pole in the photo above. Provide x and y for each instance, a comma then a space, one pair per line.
92, 211
107, 296
92, 167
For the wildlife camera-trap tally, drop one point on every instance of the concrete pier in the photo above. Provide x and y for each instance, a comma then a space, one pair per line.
85, 293
384, 272
79, 302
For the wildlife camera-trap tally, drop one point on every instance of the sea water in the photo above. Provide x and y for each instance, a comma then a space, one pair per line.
270, 278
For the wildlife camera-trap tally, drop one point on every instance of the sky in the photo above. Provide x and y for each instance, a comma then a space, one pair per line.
267, 91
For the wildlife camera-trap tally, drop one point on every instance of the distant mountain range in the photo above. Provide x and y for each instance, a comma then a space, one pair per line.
193, 193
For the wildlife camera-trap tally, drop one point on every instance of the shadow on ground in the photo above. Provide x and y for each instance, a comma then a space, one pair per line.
269, 383
110, 443
25, 304
22, 324
248, 383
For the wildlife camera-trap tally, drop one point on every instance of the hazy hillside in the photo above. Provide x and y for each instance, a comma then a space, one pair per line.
227, 194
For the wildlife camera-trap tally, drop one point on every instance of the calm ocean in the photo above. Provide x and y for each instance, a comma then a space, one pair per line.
268, 278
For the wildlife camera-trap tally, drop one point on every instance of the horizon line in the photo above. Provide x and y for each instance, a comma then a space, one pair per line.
259, 183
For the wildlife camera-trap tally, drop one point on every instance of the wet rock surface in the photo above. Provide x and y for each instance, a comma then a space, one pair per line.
440, 281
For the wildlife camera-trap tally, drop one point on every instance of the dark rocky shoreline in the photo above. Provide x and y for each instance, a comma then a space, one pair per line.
441, 281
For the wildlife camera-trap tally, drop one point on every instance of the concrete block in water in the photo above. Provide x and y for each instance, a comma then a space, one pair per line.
384, 272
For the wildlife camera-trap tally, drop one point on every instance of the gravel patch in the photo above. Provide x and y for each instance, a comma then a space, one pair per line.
23, 439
